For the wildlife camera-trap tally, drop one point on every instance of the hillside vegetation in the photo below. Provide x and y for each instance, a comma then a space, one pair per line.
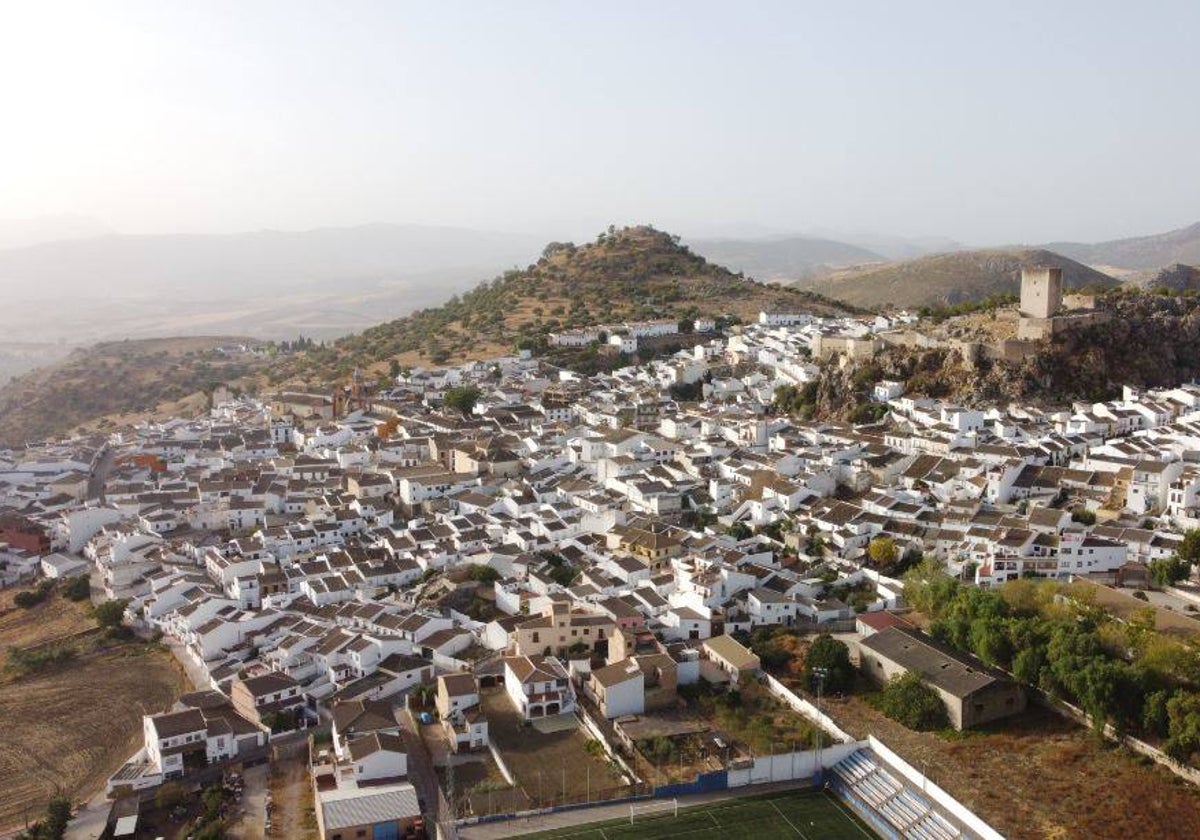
948, 279
1175, 278
632, 273
120, 378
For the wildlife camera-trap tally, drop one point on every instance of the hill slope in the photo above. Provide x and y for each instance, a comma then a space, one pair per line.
946, 279
1177, 278
628, 274
782, 258
122, 378
1137, 252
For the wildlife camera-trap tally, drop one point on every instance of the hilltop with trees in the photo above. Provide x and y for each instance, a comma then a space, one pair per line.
626, 274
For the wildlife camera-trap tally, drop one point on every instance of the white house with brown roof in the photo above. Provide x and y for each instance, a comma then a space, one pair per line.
731, 656
538, 686
458, 706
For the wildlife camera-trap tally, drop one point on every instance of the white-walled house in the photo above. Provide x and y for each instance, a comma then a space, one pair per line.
538, 686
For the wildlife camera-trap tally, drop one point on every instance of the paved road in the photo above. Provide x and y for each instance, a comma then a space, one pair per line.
99, 476
89, 822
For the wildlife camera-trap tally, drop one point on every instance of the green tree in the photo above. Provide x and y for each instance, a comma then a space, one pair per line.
928, 588
1168, 571
484, 574
77, 588
882, 551
462, 398
833, 656
110, 614
1183, 713
908, 701
1155, 718
1189, 548
739, 531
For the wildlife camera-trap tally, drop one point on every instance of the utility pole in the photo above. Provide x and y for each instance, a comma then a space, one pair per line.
820, 674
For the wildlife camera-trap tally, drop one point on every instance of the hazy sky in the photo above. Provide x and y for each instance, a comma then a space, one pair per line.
984, 122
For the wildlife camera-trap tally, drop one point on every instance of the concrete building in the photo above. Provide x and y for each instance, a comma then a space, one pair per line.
973, 693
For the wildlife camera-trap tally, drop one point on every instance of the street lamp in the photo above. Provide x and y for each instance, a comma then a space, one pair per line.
820, 674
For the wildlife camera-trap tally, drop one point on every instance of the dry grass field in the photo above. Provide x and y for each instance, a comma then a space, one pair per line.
1040, 776
68, 727
51, 619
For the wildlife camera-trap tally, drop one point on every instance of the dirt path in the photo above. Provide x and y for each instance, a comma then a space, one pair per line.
291, 815
251, 811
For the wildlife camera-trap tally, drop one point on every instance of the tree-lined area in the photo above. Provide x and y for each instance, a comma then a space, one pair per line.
1055, 640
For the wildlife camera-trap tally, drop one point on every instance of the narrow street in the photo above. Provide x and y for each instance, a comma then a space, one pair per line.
420, 767
99, 476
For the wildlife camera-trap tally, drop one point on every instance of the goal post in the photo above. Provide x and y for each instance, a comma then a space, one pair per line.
654, 808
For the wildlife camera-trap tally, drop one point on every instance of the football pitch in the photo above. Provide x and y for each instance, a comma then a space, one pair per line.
809, 814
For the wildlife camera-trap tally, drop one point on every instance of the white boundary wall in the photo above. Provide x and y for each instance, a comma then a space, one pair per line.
933, 792
787, 767
805, 708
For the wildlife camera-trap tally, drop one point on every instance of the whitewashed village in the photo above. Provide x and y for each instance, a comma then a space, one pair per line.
503, 588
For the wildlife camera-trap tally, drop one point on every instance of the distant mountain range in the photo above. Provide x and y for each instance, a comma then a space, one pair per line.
322, 283
1138, 252
91, 284
781, 258
265, 260
19, 233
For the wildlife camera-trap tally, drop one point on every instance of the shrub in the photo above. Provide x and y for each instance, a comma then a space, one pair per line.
78, 588
908, 701
484, 574
32, 597
169, 796
110, 614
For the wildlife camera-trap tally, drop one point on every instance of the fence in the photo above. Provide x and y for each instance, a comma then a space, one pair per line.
799, 704
803, 766
1078, 715
791, 766
944, 800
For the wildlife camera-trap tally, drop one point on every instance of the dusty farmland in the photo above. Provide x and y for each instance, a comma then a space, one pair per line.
70, 726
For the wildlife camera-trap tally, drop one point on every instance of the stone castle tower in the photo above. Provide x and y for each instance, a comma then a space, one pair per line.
1041, 292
